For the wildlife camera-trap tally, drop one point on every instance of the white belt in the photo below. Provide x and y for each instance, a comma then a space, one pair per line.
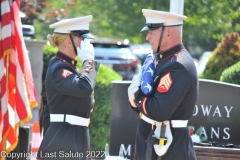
175, 123
71, 119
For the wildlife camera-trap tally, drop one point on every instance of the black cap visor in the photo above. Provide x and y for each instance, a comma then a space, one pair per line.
145, 28
152, 26
82, 34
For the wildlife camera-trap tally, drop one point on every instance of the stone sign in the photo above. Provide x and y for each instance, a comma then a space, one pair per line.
217, 112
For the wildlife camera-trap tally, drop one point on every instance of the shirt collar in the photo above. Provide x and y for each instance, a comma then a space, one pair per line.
62, 56
170, 52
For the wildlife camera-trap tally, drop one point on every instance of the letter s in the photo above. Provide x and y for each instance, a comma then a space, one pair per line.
227, 133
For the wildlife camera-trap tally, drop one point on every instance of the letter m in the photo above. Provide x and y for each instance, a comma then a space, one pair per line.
127, 151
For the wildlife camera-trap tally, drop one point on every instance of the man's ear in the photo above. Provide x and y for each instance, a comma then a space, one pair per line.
169, 32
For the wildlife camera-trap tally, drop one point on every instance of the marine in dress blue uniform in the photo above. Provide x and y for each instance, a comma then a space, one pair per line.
173, 97
70, 98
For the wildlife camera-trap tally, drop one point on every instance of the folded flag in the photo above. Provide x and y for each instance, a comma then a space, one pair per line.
148, 70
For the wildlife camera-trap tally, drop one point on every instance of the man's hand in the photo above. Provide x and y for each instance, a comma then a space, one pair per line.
86, 50
133, 88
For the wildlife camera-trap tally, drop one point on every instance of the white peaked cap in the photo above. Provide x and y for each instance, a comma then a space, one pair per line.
63, 26
154, 16
77, 26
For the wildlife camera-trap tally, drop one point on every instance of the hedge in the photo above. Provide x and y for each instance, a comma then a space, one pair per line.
231, 74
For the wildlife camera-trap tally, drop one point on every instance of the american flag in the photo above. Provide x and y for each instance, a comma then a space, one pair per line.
148, 70
17, 89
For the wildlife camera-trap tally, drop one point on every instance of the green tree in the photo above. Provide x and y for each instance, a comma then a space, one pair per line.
122, 19
110, 18
211, 19
226, 54
207, 20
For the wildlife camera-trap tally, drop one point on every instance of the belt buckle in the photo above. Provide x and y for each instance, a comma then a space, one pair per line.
140, 115
162, 142
164, 122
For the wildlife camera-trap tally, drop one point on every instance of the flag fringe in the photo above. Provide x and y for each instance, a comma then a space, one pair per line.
7, 52
33, 105
17, 125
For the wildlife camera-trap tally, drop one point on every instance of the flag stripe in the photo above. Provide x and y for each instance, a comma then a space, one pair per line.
5, 31
4, 7
14, 81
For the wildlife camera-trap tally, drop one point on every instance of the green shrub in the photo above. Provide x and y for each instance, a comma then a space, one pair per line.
100, 118
231, 74
226, 54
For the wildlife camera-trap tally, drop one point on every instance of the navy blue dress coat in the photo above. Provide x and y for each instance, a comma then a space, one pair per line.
68, 92
174, 95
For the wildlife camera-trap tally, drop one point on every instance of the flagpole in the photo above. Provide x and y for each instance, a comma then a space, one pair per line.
176, 6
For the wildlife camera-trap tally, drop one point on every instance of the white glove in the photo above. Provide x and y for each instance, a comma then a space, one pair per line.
133, 88
86, 50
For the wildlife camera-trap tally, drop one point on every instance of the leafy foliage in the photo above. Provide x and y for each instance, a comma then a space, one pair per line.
211, 19
100, 118
207, 20
45, 11
231, 74
207, 23
31, 10
226, 54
